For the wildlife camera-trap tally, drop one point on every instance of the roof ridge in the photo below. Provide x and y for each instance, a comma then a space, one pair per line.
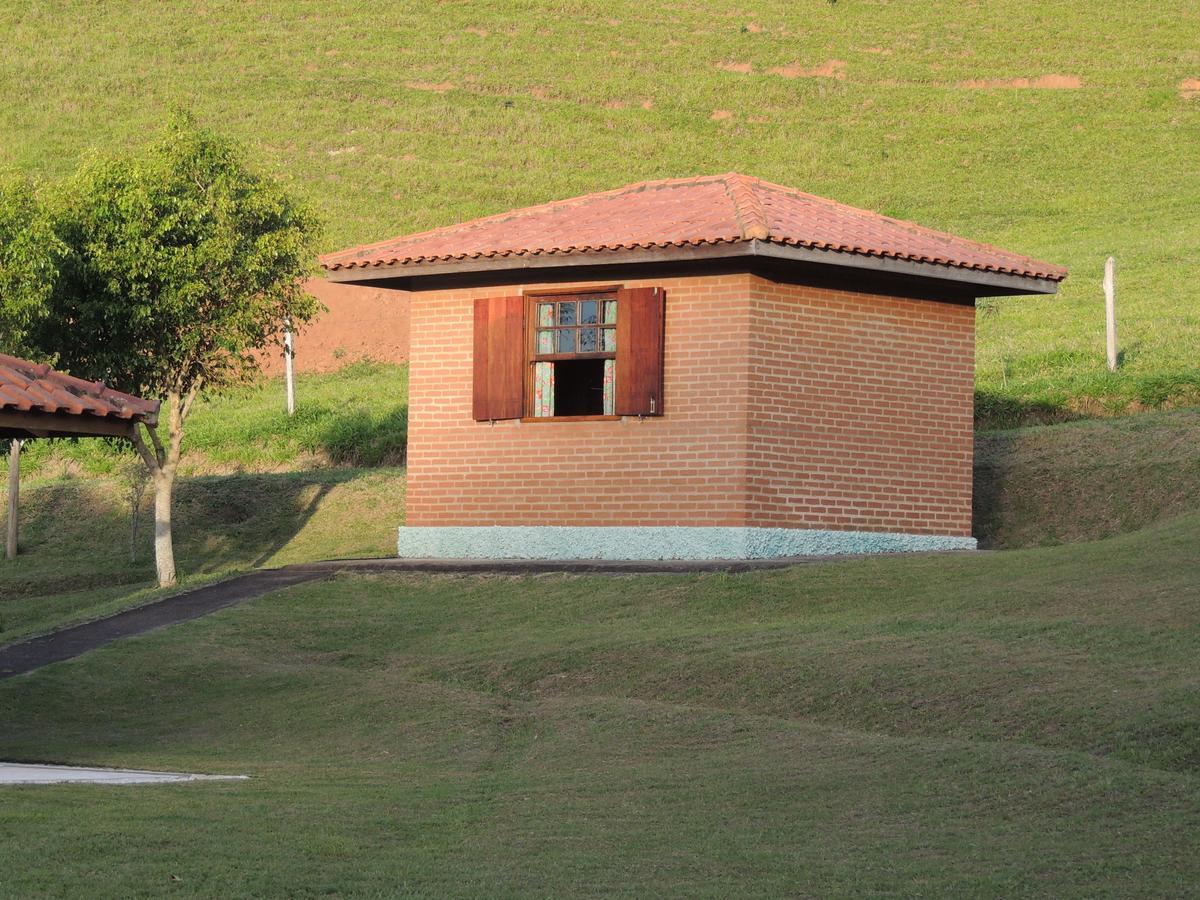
509, 215
747, 206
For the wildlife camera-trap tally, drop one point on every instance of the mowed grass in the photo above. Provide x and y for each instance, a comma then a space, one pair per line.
409, 116
999, 724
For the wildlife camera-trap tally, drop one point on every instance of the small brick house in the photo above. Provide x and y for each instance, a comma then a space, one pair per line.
713, 367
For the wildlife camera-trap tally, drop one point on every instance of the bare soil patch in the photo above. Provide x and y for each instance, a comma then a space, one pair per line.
720, 115
438, 87
833, 68
742, 68
1189, 87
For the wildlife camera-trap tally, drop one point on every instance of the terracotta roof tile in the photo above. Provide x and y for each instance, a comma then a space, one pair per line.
686, 212
29, 387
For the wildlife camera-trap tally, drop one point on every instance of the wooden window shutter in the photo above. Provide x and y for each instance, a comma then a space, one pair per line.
639, 352
499, 391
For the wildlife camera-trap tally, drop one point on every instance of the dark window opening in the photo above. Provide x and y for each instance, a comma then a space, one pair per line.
579, 387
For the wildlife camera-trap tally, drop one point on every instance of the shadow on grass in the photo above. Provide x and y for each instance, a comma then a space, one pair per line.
363, 440
994, 411
75, 532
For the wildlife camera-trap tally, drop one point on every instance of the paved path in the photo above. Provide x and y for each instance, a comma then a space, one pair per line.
33, 653
36, 773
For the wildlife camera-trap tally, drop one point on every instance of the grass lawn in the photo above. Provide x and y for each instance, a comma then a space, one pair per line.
404, 117
997, 724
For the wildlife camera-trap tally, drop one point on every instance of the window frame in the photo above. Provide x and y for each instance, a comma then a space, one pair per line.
532, 357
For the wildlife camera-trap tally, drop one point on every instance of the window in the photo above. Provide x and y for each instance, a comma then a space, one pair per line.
573, 354
568, 355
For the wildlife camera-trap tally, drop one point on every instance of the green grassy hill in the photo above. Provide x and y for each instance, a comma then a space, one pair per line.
404, 116
1010, 724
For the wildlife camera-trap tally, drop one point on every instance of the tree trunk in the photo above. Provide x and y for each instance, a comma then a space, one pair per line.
164, 551
14, 488
162, 463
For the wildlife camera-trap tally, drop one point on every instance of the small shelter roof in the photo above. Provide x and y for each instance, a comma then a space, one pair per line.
37, 401
685, 218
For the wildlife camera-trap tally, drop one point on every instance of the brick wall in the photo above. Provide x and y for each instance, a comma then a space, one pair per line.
686, 467
784, 406
860, 411
360, 322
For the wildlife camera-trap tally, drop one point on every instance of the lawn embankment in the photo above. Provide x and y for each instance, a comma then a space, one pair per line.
996, 724
76, 562
1067, 131
1085, 480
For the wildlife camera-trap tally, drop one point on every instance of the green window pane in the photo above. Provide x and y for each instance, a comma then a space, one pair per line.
566, 341
610, 312
545, 315
609, 338
587, 340
566, 313
587, 312
545, 342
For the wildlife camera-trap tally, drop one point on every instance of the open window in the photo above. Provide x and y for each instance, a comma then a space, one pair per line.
569, 355
572, 354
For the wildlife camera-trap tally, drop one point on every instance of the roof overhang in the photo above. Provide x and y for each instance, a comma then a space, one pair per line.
29, 424
969, 281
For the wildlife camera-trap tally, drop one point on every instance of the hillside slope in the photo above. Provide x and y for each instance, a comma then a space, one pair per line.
1063, 130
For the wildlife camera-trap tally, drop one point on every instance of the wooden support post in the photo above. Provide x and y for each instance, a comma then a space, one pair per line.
1110, 310
14, 486
288, 375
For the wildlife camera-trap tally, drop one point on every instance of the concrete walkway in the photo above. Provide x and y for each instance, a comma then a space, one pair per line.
67, 643
33, 773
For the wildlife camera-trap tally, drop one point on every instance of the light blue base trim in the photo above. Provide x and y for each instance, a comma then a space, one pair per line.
665, 542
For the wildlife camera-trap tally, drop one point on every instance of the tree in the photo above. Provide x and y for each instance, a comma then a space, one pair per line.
182, 263
30, 258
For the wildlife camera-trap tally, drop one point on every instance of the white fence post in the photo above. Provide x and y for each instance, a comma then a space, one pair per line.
288, 375
1110, 310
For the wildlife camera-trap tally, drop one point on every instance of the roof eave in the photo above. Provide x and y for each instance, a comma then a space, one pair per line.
988, 283
985, 283
35, 424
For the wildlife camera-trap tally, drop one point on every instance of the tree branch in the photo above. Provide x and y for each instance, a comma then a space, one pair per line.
160, 453
142, 450
190, 398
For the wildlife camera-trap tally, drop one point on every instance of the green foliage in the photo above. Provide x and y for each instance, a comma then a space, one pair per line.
184, 261
30, 257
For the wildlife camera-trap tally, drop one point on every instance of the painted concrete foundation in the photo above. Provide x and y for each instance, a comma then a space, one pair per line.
667, 542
